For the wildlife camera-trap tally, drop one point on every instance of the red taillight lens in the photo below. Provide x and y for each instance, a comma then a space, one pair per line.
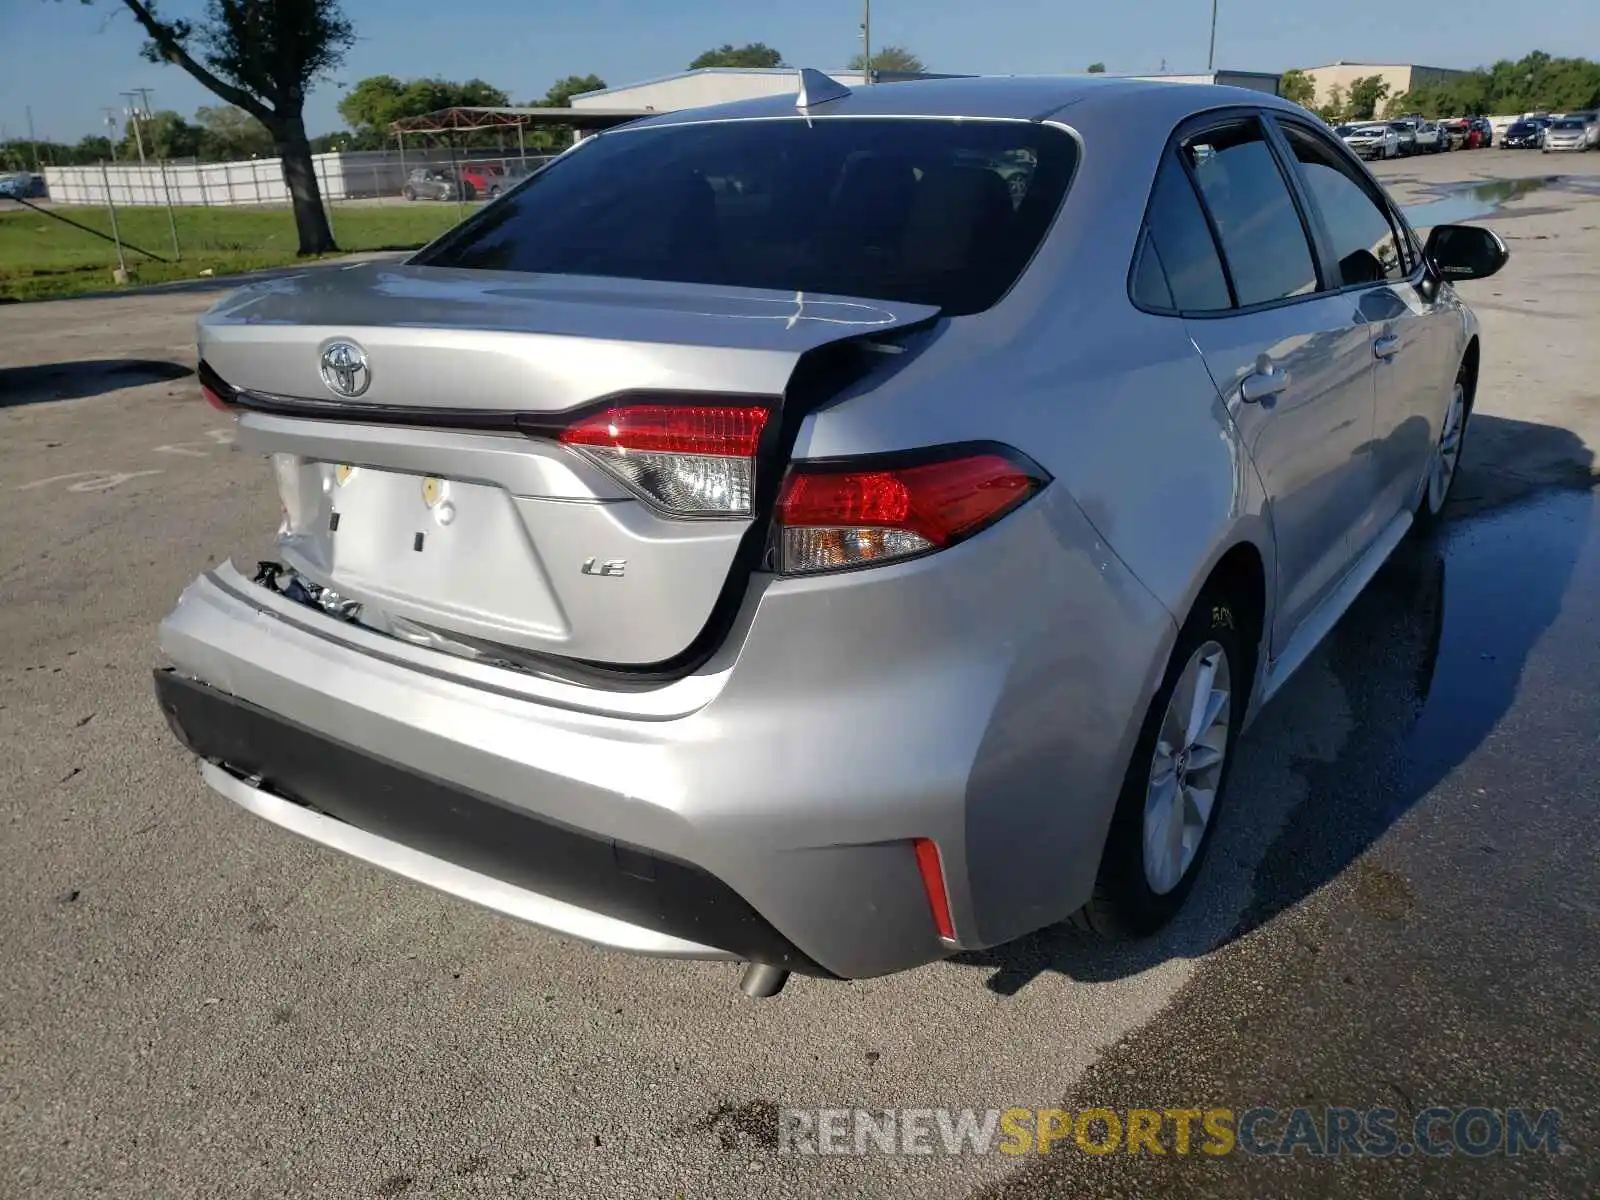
933, 883
833, 518
690, 460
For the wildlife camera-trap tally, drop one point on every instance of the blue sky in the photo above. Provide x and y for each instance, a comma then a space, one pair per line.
66, 60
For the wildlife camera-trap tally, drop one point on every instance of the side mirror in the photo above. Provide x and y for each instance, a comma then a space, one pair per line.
1465, 252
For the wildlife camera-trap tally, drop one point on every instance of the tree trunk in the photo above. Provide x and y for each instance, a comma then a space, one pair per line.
299, 173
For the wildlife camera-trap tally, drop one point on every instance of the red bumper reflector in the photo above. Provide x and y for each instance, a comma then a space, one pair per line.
214, 400
933, 884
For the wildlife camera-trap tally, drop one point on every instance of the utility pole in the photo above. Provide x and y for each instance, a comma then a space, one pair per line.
33, 142
111, 129
1211, 54
866, 41
133, 115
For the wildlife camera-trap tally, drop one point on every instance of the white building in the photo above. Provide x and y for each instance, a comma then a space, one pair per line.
720, 85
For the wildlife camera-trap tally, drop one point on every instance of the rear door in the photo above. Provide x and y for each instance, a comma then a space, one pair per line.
1377, 265
1292, 360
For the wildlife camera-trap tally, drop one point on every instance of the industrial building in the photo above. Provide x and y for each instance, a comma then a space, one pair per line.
1401, 77
720, 85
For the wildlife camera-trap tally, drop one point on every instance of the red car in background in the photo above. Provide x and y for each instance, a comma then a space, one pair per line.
1470, 133
483, 179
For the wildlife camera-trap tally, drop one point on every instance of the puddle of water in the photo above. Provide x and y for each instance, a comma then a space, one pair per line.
1468, 201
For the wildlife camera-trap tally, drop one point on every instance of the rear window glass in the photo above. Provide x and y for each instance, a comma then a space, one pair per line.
937, 212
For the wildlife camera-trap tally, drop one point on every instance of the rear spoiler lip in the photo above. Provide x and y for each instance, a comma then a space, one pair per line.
472, 420
499, 420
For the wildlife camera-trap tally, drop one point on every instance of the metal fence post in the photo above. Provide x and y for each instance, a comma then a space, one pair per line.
172, 220
121, 275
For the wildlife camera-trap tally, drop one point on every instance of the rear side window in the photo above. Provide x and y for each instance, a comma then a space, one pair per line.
1184, 247
1364, 240
1263, 239
946, 213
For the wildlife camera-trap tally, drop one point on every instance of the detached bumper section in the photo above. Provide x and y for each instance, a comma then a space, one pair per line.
464, 843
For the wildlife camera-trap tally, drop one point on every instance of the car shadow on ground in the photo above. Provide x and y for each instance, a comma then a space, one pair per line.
49, 382
1421, 669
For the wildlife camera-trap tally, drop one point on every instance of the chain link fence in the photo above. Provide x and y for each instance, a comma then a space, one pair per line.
343, 178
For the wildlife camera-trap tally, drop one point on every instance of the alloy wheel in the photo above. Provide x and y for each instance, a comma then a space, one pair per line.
1447, 454
1186, 768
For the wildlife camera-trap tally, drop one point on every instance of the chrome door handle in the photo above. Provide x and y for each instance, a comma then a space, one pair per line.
1262, 384
1386, 347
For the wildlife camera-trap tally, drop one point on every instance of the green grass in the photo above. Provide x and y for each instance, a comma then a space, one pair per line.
44, 259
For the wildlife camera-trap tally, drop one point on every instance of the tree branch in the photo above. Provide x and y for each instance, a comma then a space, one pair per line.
172, 50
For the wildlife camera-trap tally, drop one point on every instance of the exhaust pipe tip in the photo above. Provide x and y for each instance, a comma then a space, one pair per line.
761, 981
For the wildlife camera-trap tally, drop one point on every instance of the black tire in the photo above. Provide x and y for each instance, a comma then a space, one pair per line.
408, 192
1124, 905
1427, 519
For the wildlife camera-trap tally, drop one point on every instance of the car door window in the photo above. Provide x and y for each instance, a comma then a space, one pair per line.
1184, 262
1364, 240
1263, 239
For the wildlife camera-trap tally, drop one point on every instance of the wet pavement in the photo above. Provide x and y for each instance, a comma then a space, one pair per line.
1422, 930
1474, 200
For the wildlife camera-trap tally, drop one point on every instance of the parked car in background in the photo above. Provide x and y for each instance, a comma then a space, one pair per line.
1566, 134
483, 179
740, 581
1406, 132
1377, 140
22, 185
1523, 135
1457, 132
1430, 138
431, 183
1484, 129
1591, 126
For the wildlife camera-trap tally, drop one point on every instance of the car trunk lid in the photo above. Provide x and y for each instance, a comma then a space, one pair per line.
441, 498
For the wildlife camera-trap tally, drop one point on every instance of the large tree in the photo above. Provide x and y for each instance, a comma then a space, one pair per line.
227, 132
756, 54
1299, 87
559, 95
163, 134
1365, 95
1332, 110
375, 102
261, 56
1531, 83
563, 90
890, 58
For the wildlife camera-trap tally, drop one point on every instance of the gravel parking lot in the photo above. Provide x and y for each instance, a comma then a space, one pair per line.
1401, 908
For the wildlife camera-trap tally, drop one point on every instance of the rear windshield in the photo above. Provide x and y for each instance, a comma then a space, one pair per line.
946, 213
1568, 125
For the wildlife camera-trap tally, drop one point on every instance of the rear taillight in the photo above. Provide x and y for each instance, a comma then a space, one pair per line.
832, 517
688, 460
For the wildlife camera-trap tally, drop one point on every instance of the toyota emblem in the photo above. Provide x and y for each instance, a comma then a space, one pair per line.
344, 369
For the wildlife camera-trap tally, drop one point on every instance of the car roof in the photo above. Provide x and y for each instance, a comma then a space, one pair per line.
1014, 97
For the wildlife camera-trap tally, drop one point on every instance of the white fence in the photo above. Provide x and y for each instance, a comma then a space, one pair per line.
357, 175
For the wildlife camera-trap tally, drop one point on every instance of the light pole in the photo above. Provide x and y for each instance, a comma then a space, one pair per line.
866, 41
1211, 54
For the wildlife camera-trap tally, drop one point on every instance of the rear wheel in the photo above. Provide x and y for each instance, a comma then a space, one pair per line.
408, 192
1443, 467
1175, 781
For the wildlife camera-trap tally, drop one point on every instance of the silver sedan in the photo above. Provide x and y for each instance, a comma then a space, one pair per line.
827, 532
